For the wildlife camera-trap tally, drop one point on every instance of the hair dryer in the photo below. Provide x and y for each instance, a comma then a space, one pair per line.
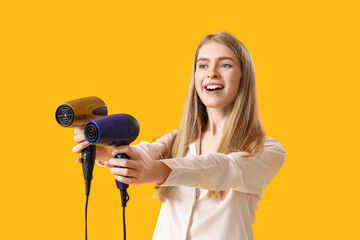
115, 130
77, 113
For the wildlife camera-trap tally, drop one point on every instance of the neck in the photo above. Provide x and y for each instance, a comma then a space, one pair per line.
216, 120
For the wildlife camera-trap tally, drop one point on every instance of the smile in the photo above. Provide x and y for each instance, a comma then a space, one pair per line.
213, 88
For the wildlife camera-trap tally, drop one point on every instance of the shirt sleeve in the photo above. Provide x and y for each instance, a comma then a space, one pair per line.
217, 171
156, 149
153, 151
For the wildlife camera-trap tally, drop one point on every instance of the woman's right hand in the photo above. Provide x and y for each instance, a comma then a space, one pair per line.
103, 153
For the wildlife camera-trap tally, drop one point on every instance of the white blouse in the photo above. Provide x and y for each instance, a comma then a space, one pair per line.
188, 215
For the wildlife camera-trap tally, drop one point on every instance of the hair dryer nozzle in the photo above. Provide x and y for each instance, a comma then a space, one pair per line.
65, 115
117, 129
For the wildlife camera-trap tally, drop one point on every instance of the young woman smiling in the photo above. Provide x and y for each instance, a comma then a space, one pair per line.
210, 173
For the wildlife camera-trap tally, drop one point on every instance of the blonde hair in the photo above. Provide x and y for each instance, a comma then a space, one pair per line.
243, 129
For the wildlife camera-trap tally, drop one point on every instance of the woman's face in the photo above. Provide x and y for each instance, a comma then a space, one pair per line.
217, 75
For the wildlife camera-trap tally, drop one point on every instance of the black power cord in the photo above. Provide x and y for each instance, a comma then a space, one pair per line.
124, 225
86, 205
124, 199
87, 193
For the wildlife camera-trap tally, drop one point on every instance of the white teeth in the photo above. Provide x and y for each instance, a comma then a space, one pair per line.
213, 86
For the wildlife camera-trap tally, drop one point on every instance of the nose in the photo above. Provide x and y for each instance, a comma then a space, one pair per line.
212, 72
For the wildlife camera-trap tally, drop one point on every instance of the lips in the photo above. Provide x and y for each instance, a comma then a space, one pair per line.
212, 88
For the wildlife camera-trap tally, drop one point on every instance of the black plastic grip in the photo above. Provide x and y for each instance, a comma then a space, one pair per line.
88, 161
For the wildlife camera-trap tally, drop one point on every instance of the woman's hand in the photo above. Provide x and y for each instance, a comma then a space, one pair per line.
136, 170
102, 153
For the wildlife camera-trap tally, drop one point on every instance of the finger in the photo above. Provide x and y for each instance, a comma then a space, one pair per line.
122, 162
125, 172
126, 180
108, 165
100, 163
79, 138
79, 160
81, 146
128, 150
79, 130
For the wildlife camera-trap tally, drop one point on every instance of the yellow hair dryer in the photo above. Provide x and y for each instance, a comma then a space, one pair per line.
77, 113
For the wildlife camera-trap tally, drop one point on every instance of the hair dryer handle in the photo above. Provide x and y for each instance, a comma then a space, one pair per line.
121, 185
88, 160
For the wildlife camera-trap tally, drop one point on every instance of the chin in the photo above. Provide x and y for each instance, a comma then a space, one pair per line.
215, 105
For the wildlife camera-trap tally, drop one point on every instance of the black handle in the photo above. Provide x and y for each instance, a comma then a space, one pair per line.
88, 161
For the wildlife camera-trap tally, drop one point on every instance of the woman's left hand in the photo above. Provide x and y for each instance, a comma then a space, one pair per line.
136, 170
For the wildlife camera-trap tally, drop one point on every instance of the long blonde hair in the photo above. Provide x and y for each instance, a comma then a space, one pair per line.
243, 129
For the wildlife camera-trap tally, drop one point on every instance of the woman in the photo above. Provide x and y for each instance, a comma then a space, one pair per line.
211, 172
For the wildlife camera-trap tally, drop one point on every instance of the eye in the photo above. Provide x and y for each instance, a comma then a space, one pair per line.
202, 66
225, 65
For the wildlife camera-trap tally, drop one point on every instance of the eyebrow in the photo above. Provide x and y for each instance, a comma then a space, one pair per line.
219, 58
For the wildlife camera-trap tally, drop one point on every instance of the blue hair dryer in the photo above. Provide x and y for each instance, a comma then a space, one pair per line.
114, 130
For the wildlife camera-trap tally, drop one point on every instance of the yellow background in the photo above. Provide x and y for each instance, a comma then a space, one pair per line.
137, 57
